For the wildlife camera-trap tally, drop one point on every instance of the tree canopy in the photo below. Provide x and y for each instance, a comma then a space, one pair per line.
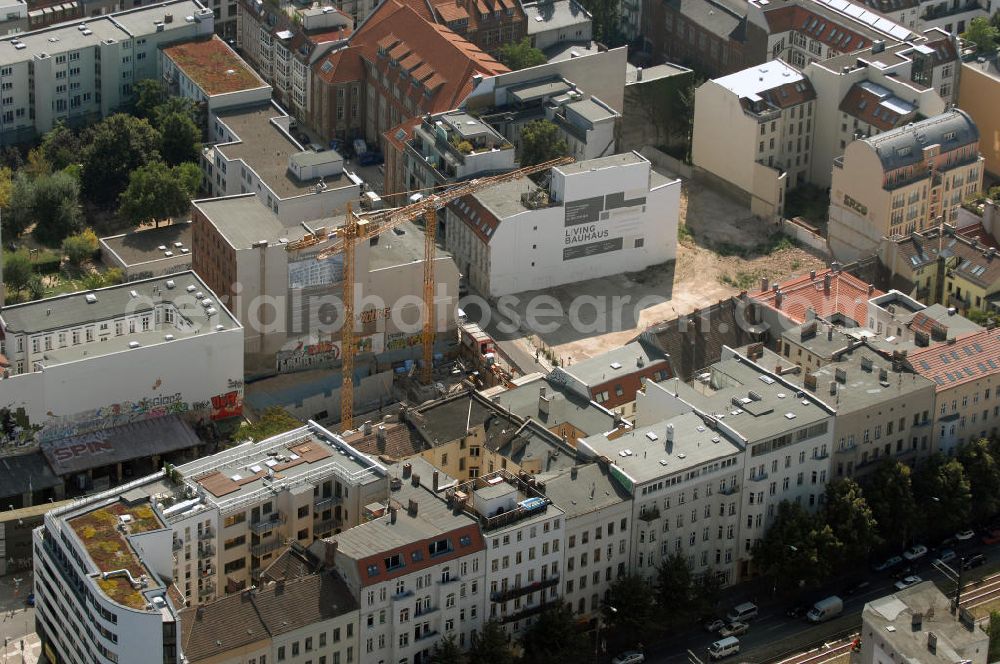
540, 142
889, 493
122, 144
155, 192
555, 638
180, 139
851, 520
634, 607
55, 208
798, 548
62, 147
983, 34
946, 497
520, 55
17, 271
983, 474
490, 646
149, 94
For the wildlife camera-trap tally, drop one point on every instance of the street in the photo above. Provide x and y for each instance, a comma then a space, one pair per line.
507, 342
17, 624
773, 636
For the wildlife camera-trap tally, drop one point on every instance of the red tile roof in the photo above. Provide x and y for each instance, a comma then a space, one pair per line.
864, 104
443, 61
847, 296
820, 28
973, 356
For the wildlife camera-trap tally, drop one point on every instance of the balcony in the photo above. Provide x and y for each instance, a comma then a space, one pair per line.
650, 514
205, 550
430, 634
847, 448
956, 8
730, 490
206, 534
178, 544
206, 572
326, 524
508, 594
273, 521
403, 595
820, 455
524, 613
205, 591
758, 477
328, 501
259, 550
425, 611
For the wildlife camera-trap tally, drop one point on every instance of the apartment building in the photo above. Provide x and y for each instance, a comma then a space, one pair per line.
918, 624
560, 409
832, 295
597, 511
555, 23
253, 151
449, 147
174, 326
489, 24
283, 40
901, 181
940, 265
525, 540
952, 16
720, 38
82, 72
752, 129
234, 511
307, 614
884, 87
608, 215
881, 410
684, 478
209, 73
417, 569
407, 66
269, 268
964, 369
613, 379
978, 96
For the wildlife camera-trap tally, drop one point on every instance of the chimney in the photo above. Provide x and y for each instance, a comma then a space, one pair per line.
407, 469
670, 433
411, 509
392, 514
543, 402
573, 472
367, 427
415, 479
168, 18
826, 284
638, 73
380, 434
917, 621
435, 479
932, 643
871, 289
833, 387
812, 275
778, 295
829, 332
878, 46
763, 284
329, 552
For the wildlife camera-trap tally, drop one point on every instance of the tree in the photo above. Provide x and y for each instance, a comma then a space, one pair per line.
188, 176
889, 493
80, 248
946, 497
56, 208
121, 145
707, 592
154, 192
541, 141
606, 21
18, 213
17, 271
61, 147
850, 518
36, 288
520, 55
673, 589
273, 421
983, 474
181, 105
180, 139
150, 93
490, 646
983, 34
446, 651
635, 607
555, 638
37, 164
6, 187
798, 549
994, 631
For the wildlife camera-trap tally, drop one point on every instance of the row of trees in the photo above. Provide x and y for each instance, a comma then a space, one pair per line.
896, 507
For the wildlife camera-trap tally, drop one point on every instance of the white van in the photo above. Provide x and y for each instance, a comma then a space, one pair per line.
742, 612
724, 647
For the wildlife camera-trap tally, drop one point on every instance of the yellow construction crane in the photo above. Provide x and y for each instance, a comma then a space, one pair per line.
358, 228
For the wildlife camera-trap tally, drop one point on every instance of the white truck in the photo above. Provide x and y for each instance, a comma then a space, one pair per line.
825, 609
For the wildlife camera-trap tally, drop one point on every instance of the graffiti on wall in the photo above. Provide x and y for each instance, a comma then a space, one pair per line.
401, 340
310, 353
227, 405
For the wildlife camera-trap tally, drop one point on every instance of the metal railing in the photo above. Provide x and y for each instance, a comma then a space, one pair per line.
507, 594
274, 520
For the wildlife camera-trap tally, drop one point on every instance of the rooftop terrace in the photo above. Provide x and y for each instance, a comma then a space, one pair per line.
109, 548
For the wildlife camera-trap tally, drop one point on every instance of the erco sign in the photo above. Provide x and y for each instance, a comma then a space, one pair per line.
858, 207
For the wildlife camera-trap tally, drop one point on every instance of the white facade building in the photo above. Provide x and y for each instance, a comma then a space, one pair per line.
598, 513
80, 72
143, 349
599, 217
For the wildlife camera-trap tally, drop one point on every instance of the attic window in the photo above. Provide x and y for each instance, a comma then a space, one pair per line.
327, 66
949, 136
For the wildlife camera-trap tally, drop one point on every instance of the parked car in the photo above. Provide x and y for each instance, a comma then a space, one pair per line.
904, 572
797, 611
629, 657
724, 648
977, 560
856, 588
946, 555
965, 535
887, 564
825, 609
915, 552
713, 625
992, 537
742, 612
734, 629
908, 581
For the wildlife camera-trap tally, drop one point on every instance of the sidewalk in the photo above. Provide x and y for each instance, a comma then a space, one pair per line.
13, 654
